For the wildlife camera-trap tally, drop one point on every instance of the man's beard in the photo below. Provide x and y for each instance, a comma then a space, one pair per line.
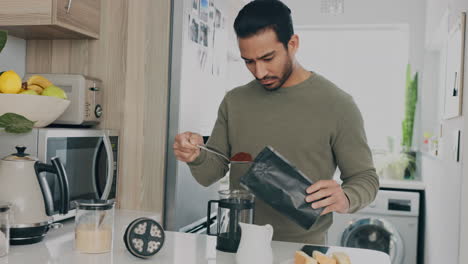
285, 76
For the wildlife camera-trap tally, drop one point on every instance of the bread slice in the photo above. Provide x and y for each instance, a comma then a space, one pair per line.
322, 258
341, 258
302, 258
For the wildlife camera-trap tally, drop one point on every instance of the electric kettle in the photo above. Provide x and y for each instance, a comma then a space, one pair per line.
24, 184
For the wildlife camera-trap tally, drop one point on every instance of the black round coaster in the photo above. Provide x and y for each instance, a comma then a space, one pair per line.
144, 237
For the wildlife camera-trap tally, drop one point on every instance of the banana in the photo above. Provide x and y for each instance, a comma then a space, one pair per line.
39, 80
36, 88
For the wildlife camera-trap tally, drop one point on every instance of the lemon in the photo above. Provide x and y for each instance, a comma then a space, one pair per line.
10, 82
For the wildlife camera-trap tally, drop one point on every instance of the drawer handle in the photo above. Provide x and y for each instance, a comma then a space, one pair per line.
69, 6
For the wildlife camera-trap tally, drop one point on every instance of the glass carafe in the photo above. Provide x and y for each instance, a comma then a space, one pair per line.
234, 206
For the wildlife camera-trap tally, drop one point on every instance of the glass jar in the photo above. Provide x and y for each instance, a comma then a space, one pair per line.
4, 228
94, 226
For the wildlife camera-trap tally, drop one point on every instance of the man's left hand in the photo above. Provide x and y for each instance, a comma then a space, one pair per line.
335, 199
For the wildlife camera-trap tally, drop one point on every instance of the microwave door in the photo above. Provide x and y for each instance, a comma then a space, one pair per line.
77, 155
103, 168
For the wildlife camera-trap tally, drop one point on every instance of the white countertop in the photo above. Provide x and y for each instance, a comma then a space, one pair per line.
402, 184
179, 248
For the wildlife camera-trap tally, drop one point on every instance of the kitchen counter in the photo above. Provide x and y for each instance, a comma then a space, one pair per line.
402, 184
183, 248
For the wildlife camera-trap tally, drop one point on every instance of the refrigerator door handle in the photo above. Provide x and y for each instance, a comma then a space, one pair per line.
110, 167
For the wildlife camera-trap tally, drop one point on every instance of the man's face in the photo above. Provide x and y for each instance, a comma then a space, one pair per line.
267, 59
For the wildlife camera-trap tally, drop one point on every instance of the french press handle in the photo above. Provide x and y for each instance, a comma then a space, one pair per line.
208, 218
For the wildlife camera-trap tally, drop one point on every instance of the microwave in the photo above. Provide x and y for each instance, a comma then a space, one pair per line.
85, 97
89, 157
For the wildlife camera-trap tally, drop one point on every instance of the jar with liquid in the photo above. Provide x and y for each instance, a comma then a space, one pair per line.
94, 226
4, 228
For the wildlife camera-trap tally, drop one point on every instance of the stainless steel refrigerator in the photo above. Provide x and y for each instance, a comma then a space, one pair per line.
205, 64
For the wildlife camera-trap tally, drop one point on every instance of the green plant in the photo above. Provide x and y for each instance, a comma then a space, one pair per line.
411, 98
3, 39
14, 123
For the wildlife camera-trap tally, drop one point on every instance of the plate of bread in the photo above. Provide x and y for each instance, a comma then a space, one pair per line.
318, 257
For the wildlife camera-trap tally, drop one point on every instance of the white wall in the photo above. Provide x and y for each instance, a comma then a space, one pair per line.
13, 56
447, 201
383, 12
307, 12
357, 58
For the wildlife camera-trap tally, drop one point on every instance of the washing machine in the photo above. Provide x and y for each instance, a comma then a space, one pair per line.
389, 224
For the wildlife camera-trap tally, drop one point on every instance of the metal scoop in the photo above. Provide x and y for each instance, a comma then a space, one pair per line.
222, 155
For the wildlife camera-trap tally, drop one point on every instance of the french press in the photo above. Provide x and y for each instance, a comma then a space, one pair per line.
234, 206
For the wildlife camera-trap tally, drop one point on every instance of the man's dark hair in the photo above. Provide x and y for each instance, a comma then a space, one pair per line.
260, 15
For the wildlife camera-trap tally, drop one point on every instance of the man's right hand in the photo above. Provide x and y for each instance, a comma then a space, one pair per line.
185, 146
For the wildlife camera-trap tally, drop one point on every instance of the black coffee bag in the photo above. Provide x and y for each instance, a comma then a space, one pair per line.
280, 184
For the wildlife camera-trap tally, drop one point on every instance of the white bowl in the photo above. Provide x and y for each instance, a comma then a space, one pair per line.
42, 109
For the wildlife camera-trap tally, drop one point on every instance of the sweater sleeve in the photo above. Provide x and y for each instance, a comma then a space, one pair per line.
354, 158
208, 168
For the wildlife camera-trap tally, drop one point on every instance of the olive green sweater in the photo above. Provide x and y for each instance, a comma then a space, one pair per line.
313, 124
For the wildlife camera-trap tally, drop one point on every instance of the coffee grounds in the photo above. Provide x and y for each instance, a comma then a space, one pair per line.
242, 156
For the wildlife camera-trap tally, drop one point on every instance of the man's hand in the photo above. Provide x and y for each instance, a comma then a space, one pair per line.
335, 199
185, 146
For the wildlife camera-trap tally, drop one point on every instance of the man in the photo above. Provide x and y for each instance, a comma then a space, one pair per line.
302, 115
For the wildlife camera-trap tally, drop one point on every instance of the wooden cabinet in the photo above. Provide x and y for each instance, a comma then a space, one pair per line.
51, 19
131, 58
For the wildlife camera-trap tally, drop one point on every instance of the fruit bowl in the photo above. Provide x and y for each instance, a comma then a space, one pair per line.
42, 109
